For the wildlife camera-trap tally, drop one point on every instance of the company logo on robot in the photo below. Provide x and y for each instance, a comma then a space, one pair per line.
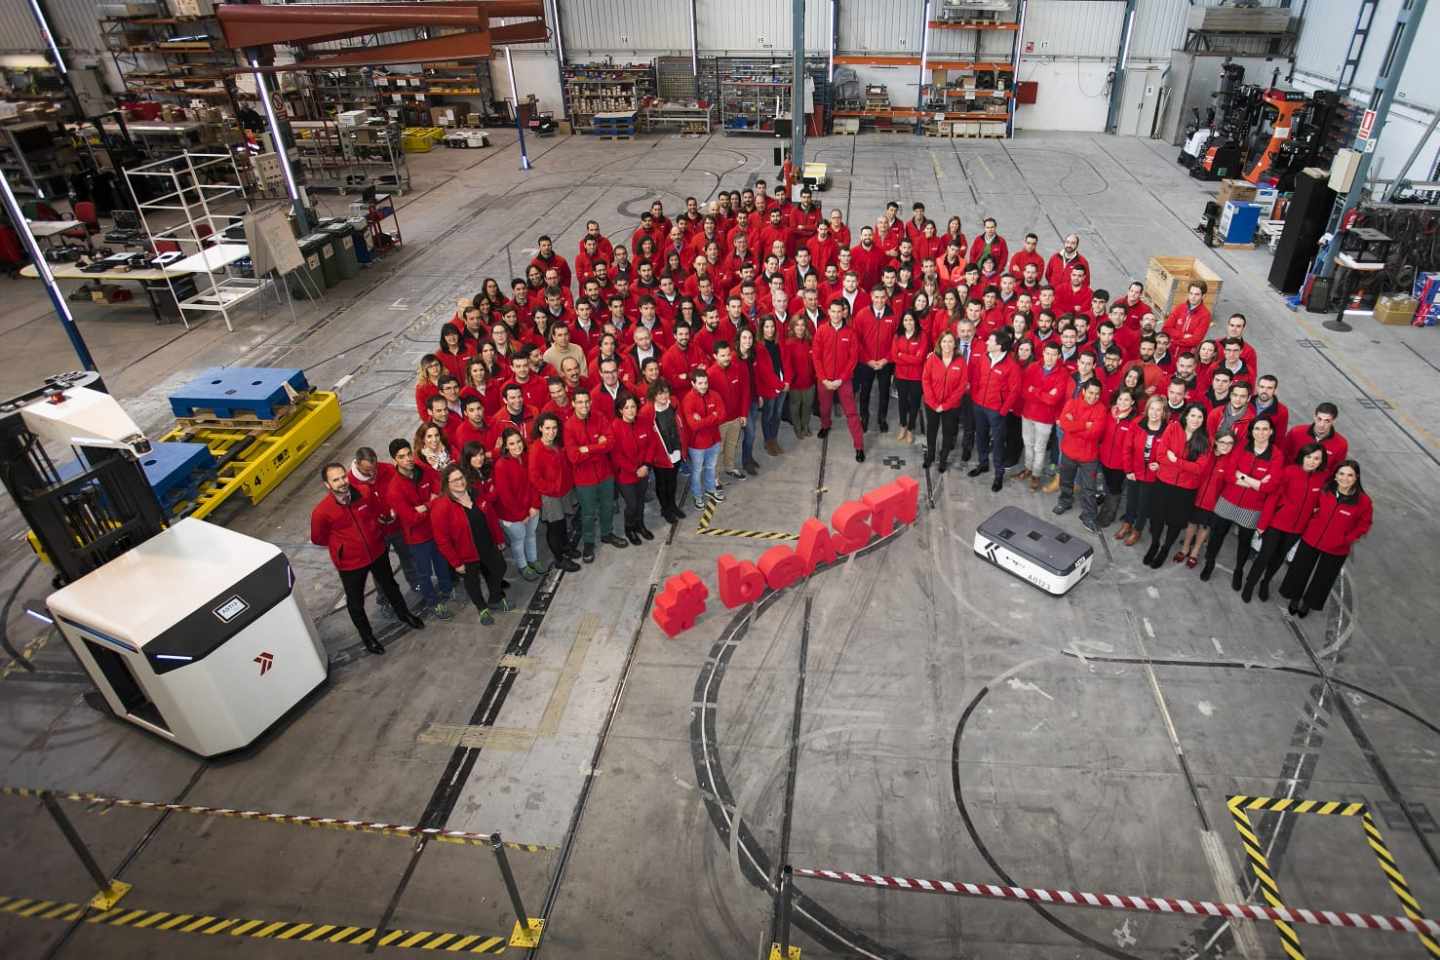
266, 661
852, 525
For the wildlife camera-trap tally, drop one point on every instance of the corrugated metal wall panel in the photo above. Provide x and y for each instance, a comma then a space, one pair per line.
1325, 36
1159, 29
890, 27
18, 32
631, 25
756, 26
1074, 28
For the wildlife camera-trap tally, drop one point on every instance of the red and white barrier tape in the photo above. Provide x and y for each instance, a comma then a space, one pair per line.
1109, 901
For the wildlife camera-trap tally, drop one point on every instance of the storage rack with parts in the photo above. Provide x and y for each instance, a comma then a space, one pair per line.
604, 88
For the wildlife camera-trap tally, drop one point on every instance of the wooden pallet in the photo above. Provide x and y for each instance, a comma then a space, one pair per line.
615, 136
845, 133
909, 131
200, 419
977, 136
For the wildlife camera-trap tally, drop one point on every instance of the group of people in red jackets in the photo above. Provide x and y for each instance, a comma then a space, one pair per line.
675, 353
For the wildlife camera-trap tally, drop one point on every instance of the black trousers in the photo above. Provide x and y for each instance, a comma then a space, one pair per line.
966, 412
864, 379
1170, 508
946, 423
354, 583
990, 437
634, 496
1311, 576
1274, 545
910, 400
491, 566
1218, 530
557, 538
1014, 441
1114, 480
665, 486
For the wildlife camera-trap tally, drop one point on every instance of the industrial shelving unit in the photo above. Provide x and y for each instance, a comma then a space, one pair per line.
36, 154
349, 159
593, 88
180, 57
753, 91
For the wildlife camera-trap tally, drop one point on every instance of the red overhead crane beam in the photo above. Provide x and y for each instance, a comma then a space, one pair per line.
467, 33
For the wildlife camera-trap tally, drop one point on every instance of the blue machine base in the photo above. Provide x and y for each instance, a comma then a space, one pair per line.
226, 392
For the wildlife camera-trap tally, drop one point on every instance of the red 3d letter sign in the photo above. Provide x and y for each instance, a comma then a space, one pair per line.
852, 525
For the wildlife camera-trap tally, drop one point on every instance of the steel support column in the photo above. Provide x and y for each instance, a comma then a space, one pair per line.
797, 88
924, 67
1122, 57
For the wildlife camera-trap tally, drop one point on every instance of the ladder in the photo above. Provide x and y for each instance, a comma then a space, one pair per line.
1364, 19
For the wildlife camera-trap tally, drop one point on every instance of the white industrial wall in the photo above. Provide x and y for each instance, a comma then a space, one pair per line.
1322, 50
1070, 48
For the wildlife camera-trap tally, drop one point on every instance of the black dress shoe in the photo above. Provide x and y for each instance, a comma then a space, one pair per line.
569, 566
1238, 580
613, 541
1301, 608
373, 645
645, 532
678, 513
1264, 590
944, 465
859, 456
410, 620
864, 426
588, 553
822, 433
975, 471
633, 537
965, 454
1207, 571
997, 483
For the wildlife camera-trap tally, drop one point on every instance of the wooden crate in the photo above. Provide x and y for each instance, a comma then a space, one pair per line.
1168, 279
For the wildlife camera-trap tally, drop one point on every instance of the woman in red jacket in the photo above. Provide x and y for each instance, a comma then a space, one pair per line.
770, 383
466, 535
1139, 478
907, 352
517, 503
663, 413
633, 453
943, 382
1252, 477
1115, 453
799, 370
551, 476
1083, 423
1182, 457
1343, 514
427, 383
450, 353
1285, 516
1202, 517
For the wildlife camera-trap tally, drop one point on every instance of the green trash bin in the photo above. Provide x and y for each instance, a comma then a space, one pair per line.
347, 264
327, 258
312, 268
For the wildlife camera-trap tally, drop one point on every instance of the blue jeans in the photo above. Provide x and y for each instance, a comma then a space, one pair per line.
990, 438
427, 562
747, 434
702, 470
769, 414
521, 534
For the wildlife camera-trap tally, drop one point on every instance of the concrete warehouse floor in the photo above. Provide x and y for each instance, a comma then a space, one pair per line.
913, 712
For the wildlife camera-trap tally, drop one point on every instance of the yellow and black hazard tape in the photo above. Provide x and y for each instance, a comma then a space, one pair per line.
1240, 806
704, 529
103, 803
298, 931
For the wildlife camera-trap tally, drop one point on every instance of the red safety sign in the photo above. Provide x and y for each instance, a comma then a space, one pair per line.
1367, 125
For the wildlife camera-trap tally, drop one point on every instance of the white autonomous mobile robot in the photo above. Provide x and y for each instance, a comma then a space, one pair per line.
190, 631
1034, 550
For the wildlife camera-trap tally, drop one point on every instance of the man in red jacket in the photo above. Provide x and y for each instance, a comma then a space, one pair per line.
876, 324
730, 381
1027, 256
1188, 322
347, 523
1082, 423
587, 445
867, 259
367, 471
547, 259
836, 351
991, 244
409, 496
1062, 261
703, 413
1323, 432
996, 390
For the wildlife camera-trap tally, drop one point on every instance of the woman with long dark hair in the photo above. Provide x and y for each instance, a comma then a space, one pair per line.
466, 534
1115, 447
745, 355
450, 352
1183, 458
770, 383
907, 352
633, 451
1285, 516
1252, 477
662, 410
1343, 514
535, 280
517, 503
431, 447
552, 477
1202, 515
